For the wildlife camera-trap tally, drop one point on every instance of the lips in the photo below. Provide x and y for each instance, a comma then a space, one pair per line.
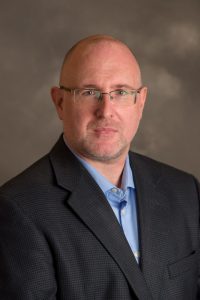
103, 128
105, 131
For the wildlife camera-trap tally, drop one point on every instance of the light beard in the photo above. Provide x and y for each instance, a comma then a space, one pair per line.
94, 153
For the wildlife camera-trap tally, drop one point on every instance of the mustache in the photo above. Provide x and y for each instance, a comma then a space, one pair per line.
103, 124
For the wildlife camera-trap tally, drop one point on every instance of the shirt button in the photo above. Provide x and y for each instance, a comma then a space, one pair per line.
123, 212
114, 190
137, 254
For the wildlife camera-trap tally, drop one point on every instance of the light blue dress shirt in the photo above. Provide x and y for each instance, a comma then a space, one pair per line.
122, 201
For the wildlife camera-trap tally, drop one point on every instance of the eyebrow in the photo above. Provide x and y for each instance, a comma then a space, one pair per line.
116, 86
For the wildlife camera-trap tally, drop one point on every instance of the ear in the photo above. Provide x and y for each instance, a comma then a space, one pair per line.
57, 97
143, 97
141, 100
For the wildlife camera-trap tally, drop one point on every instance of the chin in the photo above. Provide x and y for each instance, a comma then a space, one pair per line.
105, 154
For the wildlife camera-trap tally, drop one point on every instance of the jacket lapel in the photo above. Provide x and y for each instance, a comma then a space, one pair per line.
90, 205
154, 221
94, 210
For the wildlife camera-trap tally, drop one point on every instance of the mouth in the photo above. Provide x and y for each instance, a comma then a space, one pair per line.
105, 130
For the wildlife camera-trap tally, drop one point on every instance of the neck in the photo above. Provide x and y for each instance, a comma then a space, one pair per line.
112, 171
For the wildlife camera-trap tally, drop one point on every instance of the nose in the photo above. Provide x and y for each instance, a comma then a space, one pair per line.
102, 94
105, 106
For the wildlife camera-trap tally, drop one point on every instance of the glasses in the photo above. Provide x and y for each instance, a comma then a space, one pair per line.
121, 97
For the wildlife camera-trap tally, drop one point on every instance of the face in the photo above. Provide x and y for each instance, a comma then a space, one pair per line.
103, 131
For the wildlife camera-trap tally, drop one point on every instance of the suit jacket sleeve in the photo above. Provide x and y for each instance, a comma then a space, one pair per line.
198, 291
26, 266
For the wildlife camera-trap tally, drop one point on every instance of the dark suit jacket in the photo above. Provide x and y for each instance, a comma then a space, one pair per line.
59, 238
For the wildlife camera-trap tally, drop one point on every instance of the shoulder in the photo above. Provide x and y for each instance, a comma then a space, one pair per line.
155, 165
164, 174
39, 184
34, 194
36, 175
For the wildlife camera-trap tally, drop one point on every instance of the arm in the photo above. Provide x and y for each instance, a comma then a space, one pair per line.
198, 191
26, 266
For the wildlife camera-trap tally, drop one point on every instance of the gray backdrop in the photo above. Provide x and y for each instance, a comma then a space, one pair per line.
166, 40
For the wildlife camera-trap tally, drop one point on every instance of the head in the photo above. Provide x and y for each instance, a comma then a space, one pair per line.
102, 131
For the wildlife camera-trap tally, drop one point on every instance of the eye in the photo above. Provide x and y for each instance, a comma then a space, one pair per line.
86, 93
121, 92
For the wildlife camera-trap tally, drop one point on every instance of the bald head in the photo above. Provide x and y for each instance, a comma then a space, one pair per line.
103, 47
93, 39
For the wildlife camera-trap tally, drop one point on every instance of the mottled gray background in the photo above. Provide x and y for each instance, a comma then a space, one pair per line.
166, 40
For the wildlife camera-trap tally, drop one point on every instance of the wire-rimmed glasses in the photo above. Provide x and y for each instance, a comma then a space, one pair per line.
89, 96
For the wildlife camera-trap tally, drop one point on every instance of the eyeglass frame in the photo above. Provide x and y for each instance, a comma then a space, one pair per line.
135, 91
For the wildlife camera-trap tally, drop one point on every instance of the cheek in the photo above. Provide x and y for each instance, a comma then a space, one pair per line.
75, 120
131, 123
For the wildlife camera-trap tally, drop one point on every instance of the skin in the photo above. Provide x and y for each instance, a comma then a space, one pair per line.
100, 134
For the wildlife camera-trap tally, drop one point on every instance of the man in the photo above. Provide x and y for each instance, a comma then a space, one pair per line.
91, 220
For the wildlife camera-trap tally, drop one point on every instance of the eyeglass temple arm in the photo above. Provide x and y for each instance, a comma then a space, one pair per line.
65, 89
